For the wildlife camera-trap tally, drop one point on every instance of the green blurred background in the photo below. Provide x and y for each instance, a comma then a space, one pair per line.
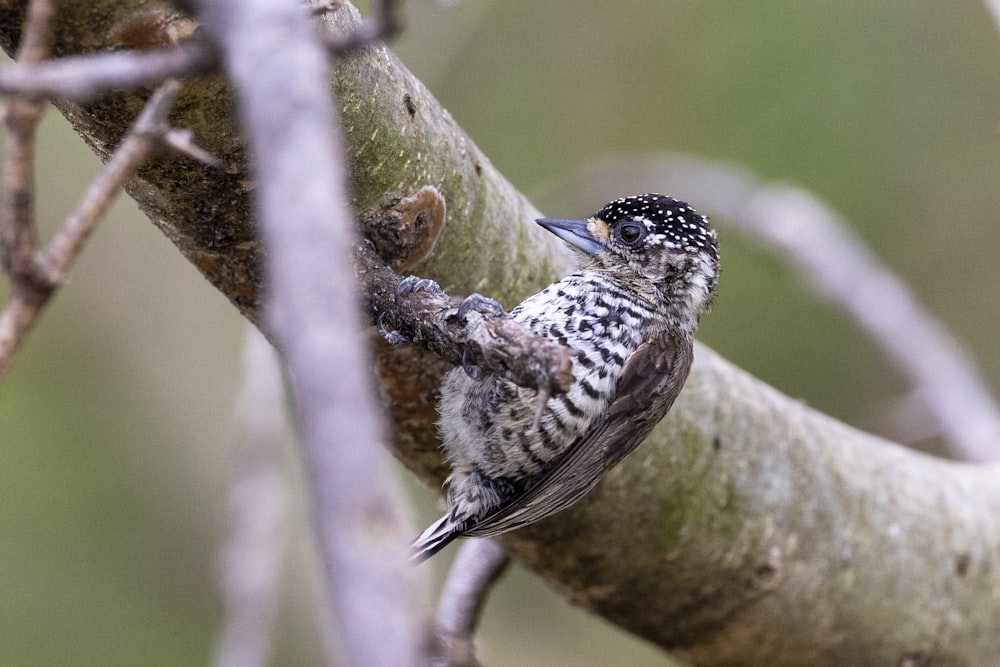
115, 426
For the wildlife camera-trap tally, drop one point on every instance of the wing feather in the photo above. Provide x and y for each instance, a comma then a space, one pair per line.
648, 385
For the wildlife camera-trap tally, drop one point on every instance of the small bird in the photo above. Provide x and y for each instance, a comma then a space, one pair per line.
649, 269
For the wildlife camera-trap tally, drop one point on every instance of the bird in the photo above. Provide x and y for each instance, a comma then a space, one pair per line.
648, 269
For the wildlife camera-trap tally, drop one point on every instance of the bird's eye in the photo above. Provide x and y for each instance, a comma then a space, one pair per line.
631, 233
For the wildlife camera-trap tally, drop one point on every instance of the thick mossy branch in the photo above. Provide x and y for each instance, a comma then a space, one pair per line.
747, 530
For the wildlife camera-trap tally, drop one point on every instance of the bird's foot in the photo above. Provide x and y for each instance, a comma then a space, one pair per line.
540, 403
406, 286
480, 304
473, 371
391, 337
411, 284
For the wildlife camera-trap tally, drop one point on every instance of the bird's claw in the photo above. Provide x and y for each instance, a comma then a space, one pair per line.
473, 371
480, 304
406, 286
411, 284
540, 402
391, 337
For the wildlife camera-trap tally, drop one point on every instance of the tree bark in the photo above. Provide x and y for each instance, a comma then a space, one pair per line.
748, 529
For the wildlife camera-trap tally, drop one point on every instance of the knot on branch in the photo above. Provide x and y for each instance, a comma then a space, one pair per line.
150, 27
404, 230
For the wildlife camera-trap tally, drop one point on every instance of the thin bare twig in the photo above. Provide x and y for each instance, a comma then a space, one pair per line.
18, 236
37, 41
384, 25
254, 552
946, 384
86, 77
947, 387
478, 565
35, 285
994, 7
181, 141
22, 114
289, 120
145, 137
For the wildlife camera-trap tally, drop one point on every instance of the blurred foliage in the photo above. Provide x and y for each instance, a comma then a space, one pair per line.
114, 425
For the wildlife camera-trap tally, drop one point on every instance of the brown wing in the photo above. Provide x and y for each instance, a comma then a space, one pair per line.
650, 381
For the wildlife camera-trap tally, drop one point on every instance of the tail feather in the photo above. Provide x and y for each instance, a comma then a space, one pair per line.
437, 536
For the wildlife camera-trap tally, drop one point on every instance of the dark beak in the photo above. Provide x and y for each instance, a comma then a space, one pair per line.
573, 232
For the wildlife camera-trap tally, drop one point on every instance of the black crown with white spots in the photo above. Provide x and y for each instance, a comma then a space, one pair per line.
681, 226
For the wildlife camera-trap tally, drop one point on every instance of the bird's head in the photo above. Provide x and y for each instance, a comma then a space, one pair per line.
656, 245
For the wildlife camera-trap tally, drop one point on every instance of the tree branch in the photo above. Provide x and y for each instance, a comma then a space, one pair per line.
21, 116
384, 26
37, 275
84, 78
477, 567
301, 209
252, 558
